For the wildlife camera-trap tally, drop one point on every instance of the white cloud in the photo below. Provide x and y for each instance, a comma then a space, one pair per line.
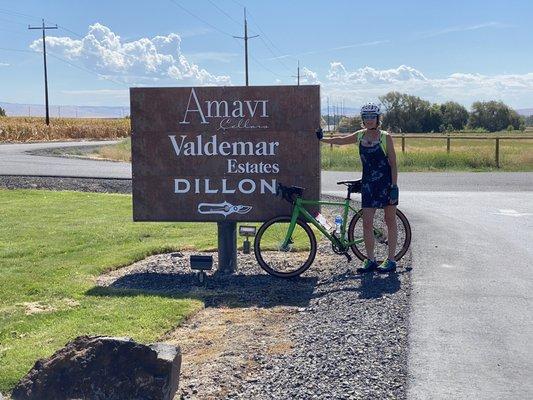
453, 29
367, 84
337, 73
160, 57
308, 76
107, 92
349, 46
2, 64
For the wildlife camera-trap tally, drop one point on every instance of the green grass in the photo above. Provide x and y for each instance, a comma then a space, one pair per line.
52, 246
420, 154
119, 152
431, 155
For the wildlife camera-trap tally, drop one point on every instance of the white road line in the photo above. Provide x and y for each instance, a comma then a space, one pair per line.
512, 213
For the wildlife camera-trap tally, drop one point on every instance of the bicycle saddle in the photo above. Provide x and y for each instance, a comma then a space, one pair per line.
353, 186
347, 183
287, 192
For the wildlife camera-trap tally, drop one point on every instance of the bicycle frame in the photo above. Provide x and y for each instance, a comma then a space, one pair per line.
299, 209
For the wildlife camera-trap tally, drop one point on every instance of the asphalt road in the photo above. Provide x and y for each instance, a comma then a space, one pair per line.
14, 160
471, 324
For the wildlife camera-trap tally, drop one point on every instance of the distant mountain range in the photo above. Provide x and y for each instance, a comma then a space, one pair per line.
38, 110
525, 111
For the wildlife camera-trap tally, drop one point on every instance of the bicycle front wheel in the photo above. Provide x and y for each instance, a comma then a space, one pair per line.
284, 261
381, 242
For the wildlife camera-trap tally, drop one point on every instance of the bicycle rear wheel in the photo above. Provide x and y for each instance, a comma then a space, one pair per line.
292, 260
381, 247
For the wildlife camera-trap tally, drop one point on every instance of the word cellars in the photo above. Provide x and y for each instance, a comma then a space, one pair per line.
212, 147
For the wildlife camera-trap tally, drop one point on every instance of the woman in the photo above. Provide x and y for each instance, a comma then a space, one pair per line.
379, 183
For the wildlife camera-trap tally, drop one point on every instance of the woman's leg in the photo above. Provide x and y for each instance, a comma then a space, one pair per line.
368, 231
390, 220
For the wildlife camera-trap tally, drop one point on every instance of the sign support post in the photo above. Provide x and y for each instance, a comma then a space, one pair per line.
227, 247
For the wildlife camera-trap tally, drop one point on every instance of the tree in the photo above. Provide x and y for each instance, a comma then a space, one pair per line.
493, 116
393, 104
2, 112
516, 120
406, 113
349, 124
528, 121
454, 116
432, 120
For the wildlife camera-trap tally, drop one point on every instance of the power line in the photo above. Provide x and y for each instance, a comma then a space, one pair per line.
225, 13
67, 62
12, 22
17, 14
15, 32
68, 30
276, 56
200, 19
258, 27
17, 50
89, 71
223, 32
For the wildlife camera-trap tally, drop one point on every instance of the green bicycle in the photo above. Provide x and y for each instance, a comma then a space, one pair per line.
286, 246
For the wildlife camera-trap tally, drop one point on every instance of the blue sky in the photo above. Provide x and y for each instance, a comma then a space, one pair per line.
356, 51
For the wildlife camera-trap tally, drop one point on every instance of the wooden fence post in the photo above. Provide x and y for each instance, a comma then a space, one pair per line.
497, 152
448, 144
330, 150
403, 142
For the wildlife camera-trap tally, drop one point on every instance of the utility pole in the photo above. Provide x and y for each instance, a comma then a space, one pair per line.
329, 122
44, 28
245, 38
298, 73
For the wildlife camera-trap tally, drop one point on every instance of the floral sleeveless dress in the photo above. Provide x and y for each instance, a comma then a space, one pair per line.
377, 176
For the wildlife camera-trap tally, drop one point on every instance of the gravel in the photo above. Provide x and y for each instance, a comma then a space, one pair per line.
55, 183
348, 331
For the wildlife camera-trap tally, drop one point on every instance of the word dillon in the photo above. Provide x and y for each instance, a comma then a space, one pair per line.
206, 186
223, 109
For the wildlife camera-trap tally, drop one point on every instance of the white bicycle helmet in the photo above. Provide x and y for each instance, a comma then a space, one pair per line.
370, 108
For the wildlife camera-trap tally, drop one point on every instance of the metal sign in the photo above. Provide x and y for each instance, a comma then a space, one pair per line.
217, 153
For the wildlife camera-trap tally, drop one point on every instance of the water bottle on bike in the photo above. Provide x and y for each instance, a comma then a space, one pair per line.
338, 225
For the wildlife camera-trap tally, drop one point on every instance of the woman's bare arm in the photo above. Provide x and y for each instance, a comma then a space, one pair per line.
346, 139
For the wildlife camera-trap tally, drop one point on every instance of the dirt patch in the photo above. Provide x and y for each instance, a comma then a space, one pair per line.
36, 307
220, 345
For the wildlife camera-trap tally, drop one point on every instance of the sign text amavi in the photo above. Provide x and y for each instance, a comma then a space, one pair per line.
217, 153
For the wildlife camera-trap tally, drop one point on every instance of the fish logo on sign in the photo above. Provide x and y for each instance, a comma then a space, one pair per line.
224, 208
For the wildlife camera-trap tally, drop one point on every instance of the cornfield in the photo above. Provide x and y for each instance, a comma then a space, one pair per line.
32, 129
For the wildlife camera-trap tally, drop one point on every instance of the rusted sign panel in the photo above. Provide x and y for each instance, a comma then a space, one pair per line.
217, 153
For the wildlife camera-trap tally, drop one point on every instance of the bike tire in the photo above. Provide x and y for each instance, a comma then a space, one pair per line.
404, 247
260, 253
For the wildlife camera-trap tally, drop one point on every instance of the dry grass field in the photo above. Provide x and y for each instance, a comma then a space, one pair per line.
33, 129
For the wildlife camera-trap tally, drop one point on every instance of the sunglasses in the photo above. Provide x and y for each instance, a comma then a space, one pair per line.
369, 116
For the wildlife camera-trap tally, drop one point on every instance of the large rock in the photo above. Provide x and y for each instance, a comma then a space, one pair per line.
100, 367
